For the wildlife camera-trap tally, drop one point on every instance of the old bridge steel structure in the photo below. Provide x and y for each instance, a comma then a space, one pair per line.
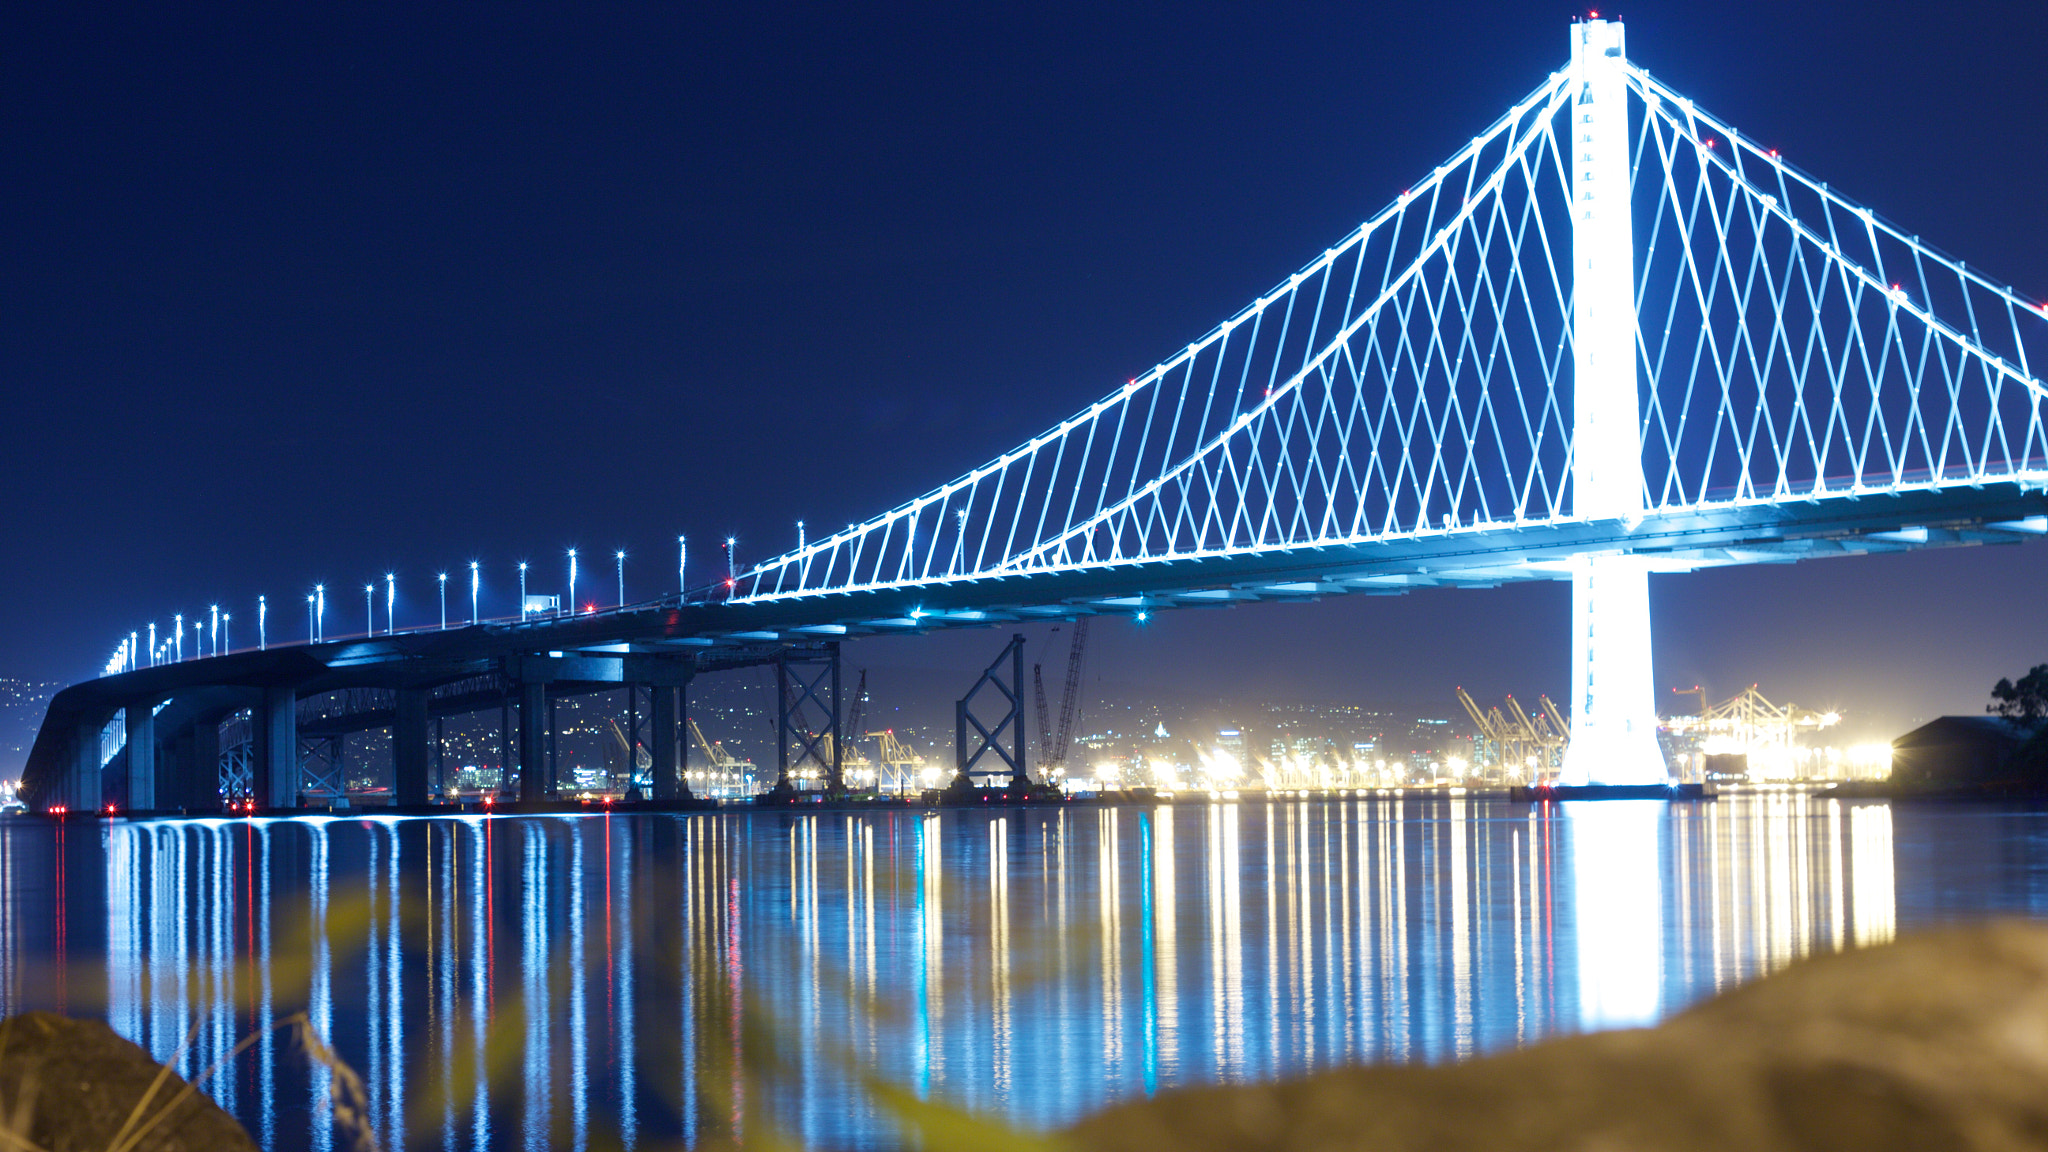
1610, 336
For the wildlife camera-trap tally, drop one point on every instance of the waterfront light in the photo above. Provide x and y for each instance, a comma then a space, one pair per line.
620, 556
474, 580
444, 601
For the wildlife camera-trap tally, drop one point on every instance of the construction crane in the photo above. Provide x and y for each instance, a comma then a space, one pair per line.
1053, 741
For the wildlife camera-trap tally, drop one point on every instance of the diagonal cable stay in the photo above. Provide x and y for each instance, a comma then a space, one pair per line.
1415, 377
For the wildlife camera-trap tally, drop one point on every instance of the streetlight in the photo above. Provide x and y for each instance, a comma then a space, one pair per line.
473, 579
682, 566
444, 601
214, 636
152, 644
370, 608
799, 535
522, 589
732, 572
390, 603
620, 556
131, 652
178, 630
262, 626
320, 617
226, 618
572, 580
311, 635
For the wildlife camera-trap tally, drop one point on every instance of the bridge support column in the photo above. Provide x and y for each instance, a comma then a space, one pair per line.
81, 791
665, 741
533, 750
411, 752
276, 749
1614, 714
141, 724
1614, 705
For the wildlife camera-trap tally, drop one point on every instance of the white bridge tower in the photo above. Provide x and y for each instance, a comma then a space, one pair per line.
1614, 716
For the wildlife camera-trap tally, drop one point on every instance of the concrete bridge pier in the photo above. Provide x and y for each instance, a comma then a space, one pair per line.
411, 749
533, 746
140, 721
671, 751
274, 753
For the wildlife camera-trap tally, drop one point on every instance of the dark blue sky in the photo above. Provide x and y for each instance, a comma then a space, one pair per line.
296, 293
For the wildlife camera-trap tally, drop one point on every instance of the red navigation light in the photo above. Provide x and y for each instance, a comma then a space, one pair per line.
490, 800
1774, 153
1593, 15
110, 809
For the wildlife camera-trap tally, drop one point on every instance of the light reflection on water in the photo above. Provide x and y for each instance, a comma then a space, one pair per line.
1031, 962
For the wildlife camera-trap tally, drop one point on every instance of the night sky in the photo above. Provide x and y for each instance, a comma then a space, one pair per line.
307, 293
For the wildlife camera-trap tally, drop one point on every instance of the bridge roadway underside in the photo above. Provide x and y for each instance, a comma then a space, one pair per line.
665, 643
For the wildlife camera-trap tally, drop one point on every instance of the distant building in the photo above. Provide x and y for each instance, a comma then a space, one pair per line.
1959, 751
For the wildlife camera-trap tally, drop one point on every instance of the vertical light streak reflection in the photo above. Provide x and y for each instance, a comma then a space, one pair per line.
999, 950
1461, 931
1874, 903
1109, 903
536, 944
320, 998
931, 1002
1618, 901
1166, 942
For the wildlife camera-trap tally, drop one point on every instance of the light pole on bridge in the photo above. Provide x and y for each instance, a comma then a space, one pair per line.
320, 612
620, 556
178, 633
444, 601
390, 603
213, 637
370, 609
226, 618
474, 580
731, 565
262, 625
682, 568
522, 589
152, 644
311, 636
571, 605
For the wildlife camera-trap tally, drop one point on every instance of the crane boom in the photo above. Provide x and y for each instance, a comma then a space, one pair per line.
1071, 704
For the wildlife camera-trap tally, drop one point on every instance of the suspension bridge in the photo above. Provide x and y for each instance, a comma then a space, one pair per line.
1610, 336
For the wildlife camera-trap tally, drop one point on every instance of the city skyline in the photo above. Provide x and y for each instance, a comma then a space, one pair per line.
514, 329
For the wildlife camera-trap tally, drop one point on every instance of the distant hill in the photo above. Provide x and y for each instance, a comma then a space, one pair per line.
22, 703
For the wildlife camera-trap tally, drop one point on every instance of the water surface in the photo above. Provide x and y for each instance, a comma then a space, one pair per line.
655, 979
